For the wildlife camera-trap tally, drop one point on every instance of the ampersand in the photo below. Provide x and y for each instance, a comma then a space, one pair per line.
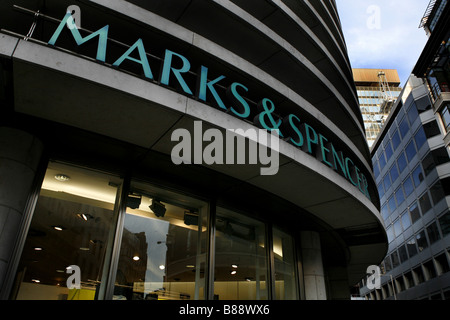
266, 108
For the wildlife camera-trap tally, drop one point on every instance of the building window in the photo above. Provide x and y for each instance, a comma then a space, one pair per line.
390, 234
442, 265
397, 227
388, 150
391, 204
414, 212
409, 280
396, 140
425, 203
412, 113
406, 220
401, 162
433, 233
70, 232
382, 160
394, 173
422, 242
417, 176
404, 128
387, 182
445, 116
395, 259
410, 151
385, 212
285, 270
412, 247
402, 253
418, 274
408, 186
430, 271
431, 129
444, 222
163, 247
437, 192
420, 138
399, 195
240, 258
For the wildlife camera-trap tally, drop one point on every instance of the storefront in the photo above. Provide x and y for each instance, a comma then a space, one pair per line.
119, 173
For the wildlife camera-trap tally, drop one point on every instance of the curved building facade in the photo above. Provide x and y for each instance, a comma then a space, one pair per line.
182, 150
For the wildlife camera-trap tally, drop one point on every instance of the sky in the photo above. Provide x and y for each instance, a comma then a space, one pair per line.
383, 33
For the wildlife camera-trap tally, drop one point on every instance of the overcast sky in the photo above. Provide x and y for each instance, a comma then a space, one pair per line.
383, 33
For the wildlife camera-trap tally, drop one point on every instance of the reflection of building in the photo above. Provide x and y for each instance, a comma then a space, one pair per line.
110, 95
377, 91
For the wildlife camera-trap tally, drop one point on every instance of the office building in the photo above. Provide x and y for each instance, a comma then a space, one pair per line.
377, 91
116, 179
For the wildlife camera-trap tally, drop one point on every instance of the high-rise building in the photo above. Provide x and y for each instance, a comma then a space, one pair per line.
377, 90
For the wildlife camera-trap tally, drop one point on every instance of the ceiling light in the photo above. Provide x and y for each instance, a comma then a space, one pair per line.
59, 228
233, 272
37, 249
85, 216
162, 267
235, 266
35, 280
136, 258
190, 266
62, 177
84, 249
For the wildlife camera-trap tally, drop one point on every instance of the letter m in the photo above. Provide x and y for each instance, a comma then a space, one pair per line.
102, 36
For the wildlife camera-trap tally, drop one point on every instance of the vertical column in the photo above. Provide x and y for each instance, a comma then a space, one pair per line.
313, 273
20, 154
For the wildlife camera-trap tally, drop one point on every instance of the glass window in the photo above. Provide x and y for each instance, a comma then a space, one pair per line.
240, 258
385, 212
396, 140
401, 162
417, 176
412, 247
437, 192
431, 129
390, 233
380, 190
406, 220
163, 247
445, 116
387, 182
444, 222
412, 113
388, 150
70, 233
404, 128
433, 233
414, 212
408, 186
395, 259
285, 275
399, 195
397, 228
422, 241
410, 151
425, 203
382, 160
394, 173
420, 138
428, 163
376, 169
388, 263
391, 204
402, 253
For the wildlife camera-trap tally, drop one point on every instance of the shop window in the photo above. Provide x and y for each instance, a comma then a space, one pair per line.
401, 162
240, 258
442, 265
433, 233
418, 176
444, 223
163, 247
425, 203
422, 242
285, 270
411, 247
410, 151
414, 212
70, 233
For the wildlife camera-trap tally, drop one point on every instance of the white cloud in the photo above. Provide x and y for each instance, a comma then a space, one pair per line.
385, 38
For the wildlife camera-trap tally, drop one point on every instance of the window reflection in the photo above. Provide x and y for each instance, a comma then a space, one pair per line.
163, 249
285, 279
240, 258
